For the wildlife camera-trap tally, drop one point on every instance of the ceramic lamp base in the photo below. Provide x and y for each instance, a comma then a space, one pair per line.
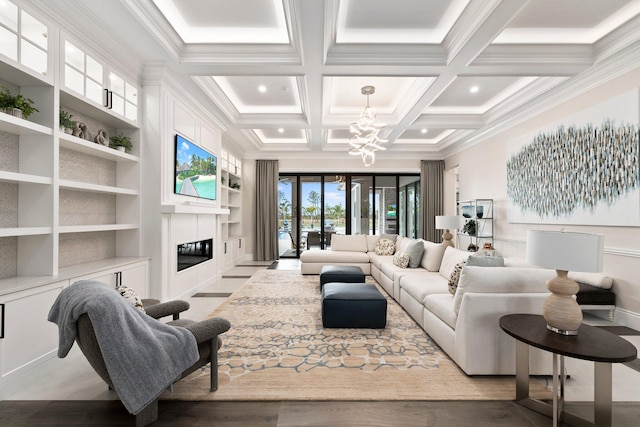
446, 239
560, 309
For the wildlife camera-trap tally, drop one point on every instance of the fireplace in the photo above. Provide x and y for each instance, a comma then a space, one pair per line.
194, 253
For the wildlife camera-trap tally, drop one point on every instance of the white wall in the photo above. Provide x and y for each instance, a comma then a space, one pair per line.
482, 174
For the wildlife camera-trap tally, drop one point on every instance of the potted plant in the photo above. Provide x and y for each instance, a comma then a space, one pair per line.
66, 124
25, 105
120, 142
7, 101
470, 227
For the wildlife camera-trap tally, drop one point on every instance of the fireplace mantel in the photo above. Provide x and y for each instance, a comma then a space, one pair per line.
192, 208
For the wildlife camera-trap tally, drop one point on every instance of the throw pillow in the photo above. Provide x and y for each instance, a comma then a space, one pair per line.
401, 259
415, 251
486, 261
385, 247
131, 296
455, 277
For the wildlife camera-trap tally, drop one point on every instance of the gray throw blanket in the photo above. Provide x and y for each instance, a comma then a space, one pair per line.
143, 356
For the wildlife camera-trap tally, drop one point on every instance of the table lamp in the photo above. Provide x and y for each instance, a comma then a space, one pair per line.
446, 223
564, 251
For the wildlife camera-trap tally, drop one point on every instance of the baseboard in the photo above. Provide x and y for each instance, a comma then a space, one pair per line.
627, 318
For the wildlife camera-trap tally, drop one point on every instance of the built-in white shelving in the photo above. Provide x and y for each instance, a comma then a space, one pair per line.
232, 231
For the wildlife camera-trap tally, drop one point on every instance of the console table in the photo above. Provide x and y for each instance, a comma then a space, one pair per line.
591, 343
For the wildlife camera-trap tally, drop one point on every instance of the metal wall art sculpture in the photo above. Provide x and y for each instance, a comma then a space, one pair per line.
574, 168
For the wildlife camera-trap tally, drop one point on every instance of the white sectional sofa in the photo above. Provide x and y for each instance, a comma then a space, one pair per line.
465, 325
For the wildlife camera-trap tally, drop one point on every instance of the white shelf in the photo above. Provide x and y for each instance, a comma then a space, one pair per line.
88, 147
16, 125
24, 177
94, 188
24, 231
94, 228
77, 102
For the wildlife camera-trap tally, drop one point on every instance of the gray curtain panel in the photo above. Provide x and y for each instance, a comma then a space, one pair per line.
431, 198
266, 247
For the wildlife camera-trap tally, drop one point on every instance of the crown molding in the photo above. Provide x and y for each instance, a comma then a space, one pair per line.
450, 121
163, 74
561, 54
622, 37
155, 23
213, 91
385, 54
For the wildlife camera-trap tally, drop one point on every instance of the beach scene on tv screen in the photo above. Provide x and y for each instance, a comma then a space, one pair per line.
195, 170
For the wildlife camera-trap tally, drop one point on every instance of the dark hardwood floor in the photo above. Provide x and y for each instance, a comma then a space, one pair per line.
298, 414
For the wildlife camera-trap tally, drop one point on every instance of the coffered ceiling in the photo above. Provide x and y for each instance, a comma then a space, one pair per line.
286, 75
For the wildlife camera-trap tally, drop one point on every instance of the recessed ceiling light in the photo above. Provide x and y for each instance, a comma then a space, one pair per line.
423, 130
281, 130
262, 88
474, 89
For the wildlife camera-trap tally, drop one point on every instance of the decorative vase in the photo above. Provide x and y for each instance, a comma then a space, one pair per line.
467, 211
120, 148
479, 211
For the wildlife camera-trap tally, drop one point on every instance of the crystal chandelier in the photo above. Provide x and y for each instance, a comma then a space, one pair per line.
365, 141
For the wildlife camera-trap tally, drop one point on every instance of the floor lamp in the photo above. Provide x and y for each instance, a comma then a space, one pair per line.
446, 223
564, 251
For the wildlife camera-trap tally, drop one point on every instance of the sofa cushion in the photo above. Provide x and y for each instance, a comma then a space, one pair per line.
349, 242
332, 257
419, 286
400, 259
442, 306
455, 276
432, 257
486, 261
378, 260
372, 240
402, 243
415, 251
385, 247
501, 280
517, 262
451, 257
392, 237
389, 268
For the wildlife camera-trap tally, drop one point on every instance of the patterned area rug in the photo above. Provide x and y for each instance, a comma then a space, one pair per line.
277, 349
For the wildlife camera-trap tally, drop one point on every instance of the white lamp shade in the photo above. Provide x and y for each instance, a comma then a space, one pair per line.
447, 222
566, 251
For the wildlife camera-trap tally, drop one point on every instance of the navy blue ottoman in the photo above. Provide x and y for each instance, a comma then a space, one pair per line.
353, 305
341, 273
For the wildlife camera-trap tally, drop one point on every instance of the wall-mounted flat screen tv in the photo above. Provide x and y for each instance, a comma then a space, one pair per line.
195, 170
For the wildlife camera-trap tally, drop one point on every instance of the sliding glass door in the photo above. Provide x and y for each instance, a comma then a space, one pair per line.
409, 191
288, 223
386, 205
313, 208
362, 205
334, 204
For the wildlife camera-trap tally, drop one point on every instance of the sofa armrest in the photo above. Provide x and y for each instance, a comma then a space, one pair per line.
481, 347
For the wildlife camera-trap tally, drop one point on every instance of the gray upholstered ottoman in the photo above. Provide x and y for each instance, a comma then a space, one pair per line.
341, 273
353, 305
